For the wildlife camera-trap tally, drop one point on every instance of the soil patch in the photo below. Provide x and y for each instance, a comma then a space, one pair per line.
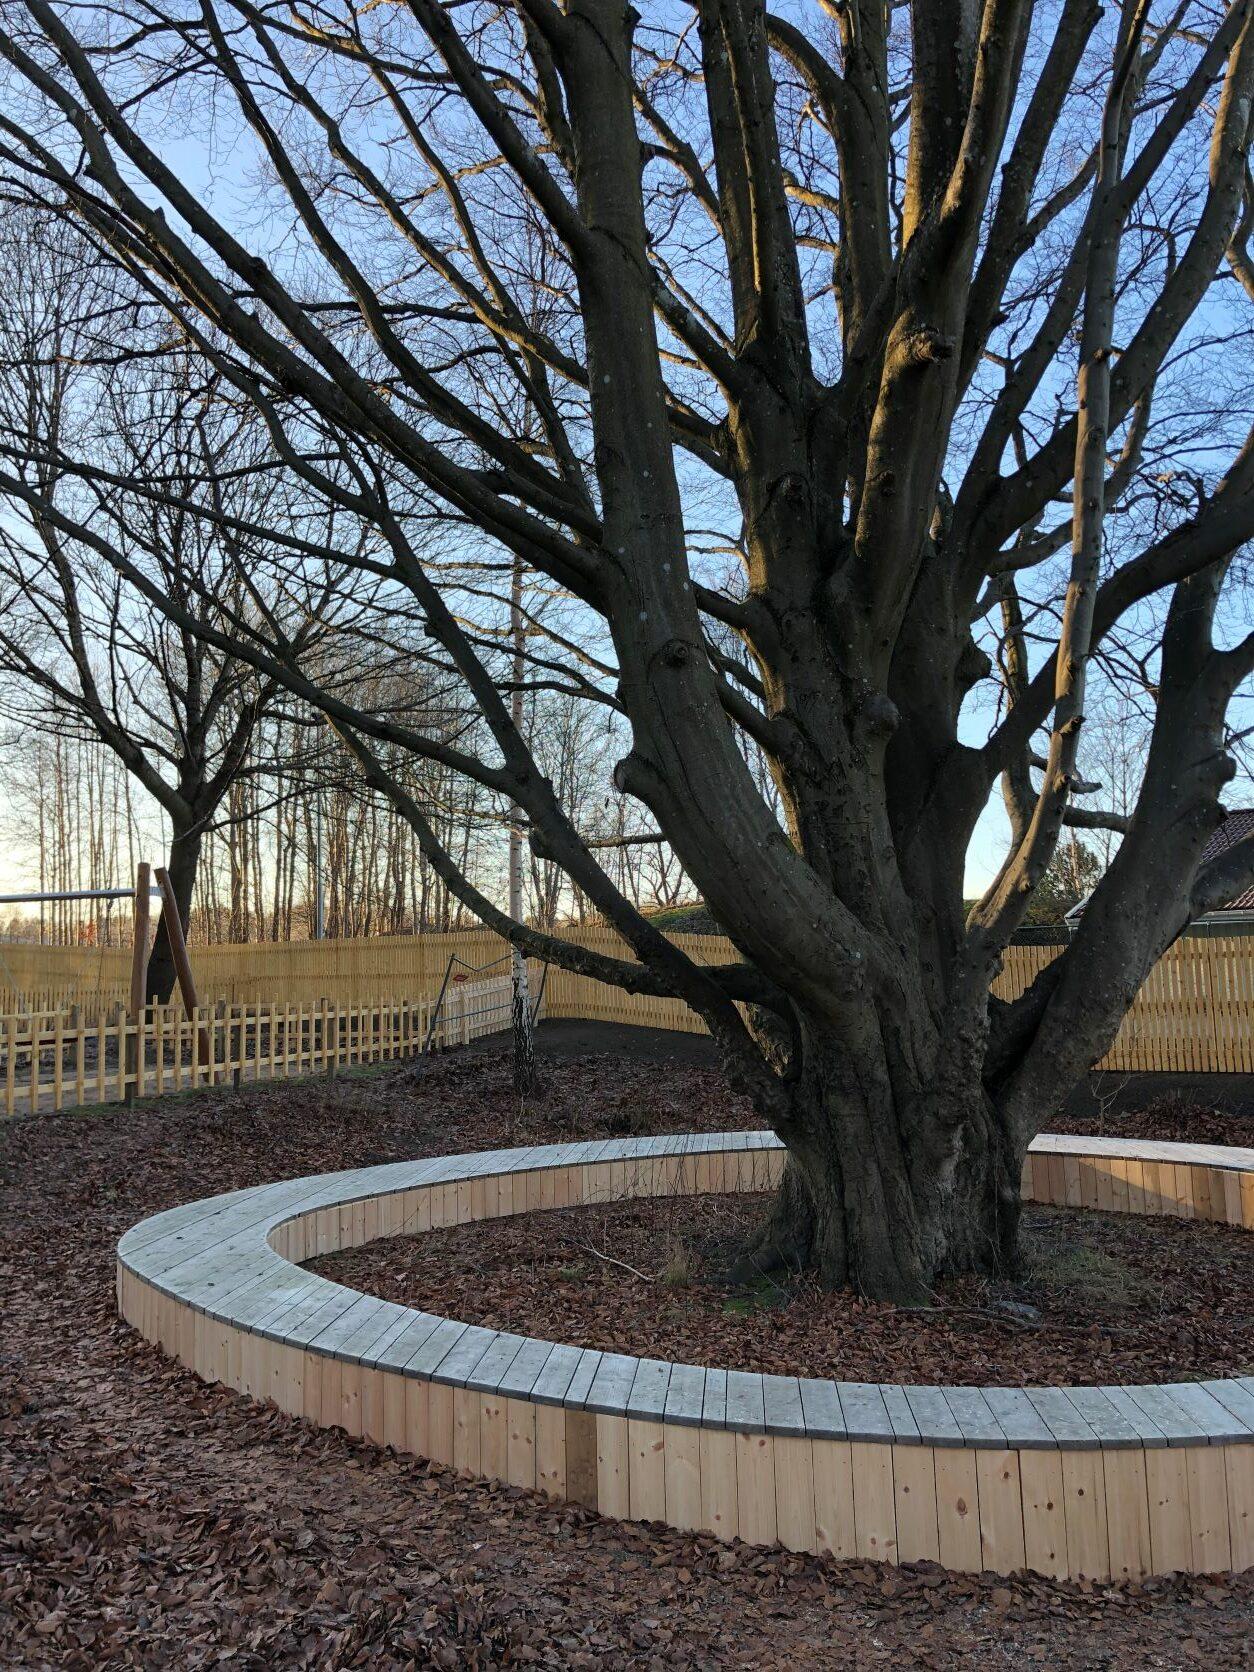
1103, 1298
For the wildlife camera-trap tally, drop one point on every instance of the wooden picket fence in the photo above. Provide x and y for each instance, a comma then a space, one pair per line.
54, 1060
1195, 1013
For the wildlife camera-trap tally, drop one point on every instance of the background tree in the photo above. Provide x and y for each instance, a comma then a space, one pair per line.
1070, 877
85, 653
867, 297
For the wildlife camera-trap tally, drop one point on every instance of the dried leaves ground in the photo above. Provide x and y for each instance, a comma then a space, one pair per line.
149, 1521
1114, 1298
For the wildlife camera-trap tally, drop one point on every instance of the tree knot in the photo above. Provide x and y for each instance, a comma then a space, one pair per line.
880, 715
675, 653
927, 345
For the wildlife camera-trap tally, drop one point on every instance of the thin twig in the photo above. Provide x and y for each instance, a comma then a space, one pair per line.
610, 1259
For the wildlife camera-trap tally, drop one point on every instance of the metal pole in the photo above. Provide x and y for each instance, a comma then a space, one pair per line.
435, 1013
71, 894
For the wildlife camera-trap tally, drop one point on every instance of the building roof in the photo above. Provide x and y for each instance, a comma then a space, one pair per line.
1238, 824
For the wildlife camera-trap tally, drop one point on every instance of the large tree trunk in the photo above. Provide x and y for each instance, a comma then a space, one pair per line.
889, 1187
181, 866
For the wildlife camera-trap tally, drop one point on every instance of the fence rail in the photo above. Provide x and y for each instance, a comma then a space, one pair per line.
1194, 1014
53, 1060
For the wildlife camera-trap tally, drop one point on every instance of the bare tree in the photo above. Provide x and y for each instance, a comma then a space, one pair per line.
85, 655
870, 294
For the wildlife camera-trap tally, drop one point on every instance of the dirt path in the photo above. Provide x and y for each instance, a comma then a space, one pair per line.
149, 1521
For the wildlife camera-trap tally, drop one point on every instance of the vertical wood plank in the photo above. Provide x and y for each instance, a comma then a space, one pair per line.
795, 1518
493, 1437
1127, 1514
1002, 1548
372, 1415
466, 1443
585, 1436
1084, 1489
1171, 1541
914, 1488
874, 1512
551, 1450
646, 1443
720, 1512
440, 1419
755, 1489
683, 1477
409, 1428
958, 1509
1044, 1519
520, 1444
1210, 1538
393, 1410
614, 1467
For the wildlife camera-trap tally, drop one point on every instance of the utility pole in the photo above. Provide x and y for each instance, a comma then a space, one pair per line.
524, 1030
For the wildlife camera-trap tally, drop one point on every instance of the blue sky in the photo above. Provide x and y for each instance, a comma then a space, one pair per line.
208, 154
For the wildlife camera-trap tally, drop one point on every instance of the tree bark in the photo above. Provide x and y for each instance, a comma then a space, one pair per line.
181, 866
890, 1185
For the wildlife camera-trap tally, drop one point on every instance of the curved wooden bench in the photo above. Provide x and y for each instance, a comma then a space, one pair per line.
1067, 1481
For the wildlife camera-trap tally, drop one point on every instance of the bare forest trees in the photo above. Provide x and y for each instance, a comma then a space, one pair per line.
90, 657
930, 325
68, 808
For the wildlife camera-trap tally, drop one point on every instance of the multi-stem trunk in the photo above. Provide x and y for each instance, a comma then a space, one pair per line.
888, 1188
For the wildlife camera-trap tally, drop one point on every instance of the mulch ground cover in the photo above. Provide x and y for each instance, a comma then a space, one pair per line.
147, 1520
1176, 1118
1103, 1298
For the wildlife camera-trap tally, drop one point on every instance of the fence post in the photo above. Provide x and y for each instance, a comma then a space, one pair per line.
183, 965
139, 983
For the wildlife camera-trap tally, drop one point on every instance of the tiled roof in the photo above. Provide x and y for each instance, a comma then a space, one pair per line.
1238, 824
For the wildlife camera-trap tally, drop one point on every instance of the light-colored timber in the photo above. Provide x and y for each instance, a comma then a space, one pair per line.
52, 1059
1093, 1483
1194, 1013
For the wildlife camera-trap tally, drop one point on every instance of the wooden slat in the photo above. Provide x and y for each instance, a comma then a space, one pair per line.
796, 1522
874, 1509
719, 1506
1127, 1513
914, 1488
1001, 1511
1044, 1516
1167, 1484
756, 1515
682, 1460
958, 1509
613, 1465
